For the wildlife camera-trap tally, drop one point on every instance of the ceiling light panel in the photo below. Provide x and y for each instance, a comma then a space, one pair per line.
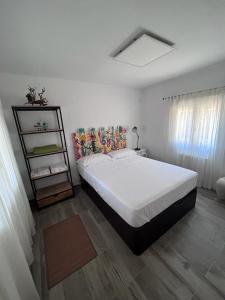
143, 51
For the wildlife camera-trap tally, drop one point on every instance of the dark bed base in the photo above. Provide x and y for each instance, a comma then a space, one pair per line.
140, 238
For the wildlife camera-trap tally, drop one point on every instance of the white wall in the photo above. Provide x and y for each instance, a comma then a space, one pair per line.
87, 104
83, 105
155, 111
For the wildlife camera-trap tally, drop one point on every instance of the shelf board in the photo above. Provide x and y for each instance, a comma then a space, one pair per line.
49, 175
41, 131
52, 190
34, 108
31, 155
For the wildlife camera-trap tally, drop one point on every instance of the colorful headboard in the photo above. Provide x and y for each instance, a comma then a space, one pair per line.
101, 140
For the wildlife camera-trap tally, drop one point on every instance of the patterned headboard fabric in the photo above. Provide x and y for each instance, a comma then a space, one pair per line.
101, 140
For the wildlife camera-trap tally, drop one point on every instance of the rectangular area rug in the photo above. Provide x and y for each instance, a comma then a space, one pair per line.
67, 248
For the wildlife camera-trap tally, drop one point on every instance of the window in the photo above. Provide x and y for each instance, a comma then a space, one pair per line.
196, 134
196, 128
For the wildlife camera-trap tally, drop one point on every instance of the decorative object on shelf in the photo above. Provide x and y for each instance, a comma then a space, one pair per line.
50, 193
135, 130
45, 149
45, 126
31, 97
43, 101
101, 140
39, 126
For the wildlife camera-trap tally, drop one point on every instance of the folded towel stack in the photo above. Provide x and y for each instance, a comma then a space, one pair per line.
60, 167
40, 172
45, 149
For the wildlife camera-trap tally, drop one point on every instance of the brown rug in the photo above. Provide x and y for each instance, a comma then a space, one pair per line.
67, 248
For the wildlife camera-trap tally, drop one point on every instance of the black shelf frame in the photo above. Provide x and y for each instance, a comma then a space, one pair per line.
39, 131
49, 175
31, 155
27, 156
35, 108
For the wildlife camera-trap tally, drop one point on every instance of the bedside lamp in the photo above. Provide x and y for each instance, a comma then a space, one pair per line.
135, 130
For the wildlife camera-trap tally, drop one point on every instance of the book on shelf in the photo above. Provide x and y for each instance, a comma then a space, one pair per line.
48, 170
57, 168
39, 172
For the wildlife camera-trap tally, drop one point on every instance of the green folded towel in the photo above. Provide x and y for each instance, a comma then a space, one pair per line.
45, 149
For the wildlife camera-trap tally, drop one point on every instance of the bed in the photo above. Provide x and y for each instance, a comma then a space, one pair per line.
141, 197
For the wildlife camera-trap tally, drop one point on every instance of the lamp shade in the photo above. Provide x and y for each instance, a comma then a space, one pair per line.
134, 129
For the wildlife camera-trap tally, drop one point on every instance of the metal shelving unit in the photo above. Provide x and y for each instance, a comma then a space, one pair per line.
46, 196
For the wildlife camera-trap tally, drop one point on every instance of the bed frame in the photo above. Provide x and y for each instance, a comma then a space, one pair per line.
138, 239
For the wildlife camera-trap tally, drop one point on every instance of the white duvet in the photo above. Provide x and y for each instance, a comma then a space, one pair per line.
139, 188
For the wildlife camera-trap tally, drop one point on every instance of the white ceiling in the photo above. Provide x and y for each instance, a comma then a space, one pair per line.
73, 39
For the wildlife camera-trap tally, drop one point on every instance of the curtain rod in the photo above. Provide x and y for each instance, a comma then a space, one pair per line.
191, 93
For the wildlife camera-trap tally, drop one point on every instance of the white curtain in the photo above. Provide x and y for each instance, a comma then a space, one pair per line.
16, 227
196, 137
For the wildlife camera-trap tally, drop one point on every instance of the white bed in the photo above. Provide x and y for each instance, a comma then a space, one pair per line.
139, 188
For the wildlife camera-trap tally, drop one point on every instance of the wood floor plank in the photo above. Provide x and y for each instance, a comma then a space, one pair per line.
220, 260
66, 210
215, 209
195, 298
45, 221
57, 293
182, 268
152, 286
93, 231
79, 205
126, 286
204, 222
170, 279
193, 248
119, 249
76, 286
37, 264
216, 276
187, 262
98, 280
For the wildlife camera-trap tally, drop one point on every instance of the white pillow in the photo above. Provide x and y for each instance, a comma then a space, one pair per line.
122, 153
93, 159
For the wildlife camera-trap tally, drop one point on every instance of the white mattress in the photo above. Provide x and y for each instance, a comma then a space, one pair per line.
139, 188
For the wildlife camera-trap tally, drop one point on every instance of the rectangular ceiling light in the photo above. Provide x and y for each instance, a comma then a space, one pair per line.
143, 51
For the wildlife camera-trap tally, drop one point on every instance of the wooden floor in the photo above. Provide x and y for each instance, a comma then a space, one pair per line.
188, 262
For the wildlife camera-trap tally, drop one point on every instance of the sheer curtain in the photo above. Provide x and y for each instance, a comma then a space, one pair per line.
16, 227
196, 137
